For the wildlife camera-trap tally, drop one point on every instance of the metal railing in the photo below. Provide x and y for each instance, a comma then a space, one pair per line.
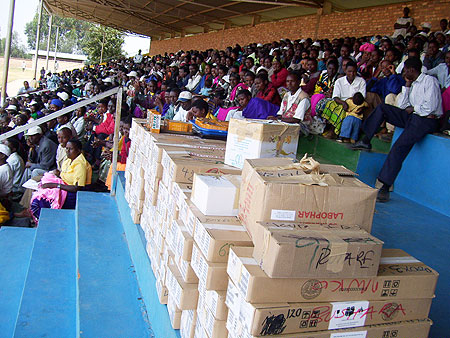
113, 91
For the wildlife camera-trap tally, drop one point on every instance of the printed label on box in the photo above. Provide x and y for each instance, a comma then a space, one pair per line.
282, 215
348, 314
359, 334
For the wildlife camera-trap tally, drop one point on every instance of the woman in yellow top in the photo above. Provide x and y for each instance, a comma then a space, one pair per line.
59, 189
200, 109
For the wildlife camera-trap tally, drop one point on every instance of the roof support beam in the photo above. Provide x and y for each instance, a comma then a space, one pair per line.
277, 3
226, 24
256, 20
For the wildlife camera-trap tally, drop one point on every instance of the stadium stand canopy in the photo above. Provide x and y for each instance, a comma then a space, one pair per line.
161, 19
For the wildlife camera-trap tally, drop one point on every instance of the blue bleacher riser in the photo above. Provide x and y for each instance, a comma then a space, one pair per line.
157, 312
424, 177
48, 307
16, 245
369, 165
110, 302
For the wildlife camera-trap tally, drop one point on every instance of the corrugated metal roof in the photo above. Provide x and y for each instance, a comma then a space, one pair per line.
170, 18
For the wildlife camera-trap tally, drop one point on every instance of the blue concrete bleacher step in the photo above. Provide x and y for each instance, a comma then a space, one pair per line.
16, 245
48, 307
423, 233
110, 301
157, 312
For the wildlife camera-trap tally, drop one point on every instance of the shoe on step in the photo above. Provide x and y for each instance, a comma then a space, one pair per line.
360, 145
383, 196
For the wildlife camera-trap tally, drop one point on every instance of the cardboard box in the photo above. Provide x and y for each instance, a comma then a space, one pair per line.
406, 329
213, 276
259, 229
214, 328
278, 190
279, 318
181, 192
316, 253
194, 217
248, 139
216, 195
185, 268
199, 330
187, 326
400, 276
183, 167
184, 294
215, 240
162, 292
215, 301
182, 241
174, 313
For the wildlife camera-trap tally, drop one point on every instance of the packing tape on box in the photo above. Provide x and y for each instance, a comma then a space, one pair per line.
225, 227
306, 164
398, 260
338, 249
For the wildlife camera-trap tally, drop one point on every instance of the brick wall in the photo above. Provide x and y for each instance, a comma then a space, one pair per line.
358, 22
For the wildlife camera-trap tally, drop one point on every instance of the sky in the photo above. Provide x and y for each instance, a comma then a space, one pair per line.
24, 12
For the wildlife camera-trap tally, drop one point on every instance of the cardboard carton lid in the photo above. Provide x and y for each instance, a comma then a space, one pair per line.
232, 220
262, 129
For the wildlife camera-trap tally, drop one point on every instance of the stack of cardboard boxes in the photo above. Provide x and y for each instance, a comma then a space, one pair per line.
279, 248
315, 271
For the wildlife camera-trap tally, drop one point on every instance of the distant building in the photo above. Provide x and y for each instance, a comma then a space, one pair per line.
42, 54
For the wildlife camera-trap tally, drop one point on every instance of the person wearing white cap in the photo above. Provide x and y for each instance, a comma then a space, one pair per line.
63, 96
6, 175
426, 28
132, 74
43, 154
11, 108
184, 101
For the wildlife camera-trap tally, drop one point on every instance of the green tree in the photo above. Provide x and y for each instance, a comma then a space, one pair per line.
71, 33
112, 48
76, 36
17, 50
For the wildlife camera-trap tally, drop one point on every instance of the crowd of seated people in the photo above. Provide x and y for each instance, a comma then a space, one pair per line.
329, 87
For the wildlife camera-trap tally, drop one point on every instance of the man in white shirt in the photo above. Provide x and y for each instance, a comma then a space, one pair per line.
16, 164
6, 175
346, 86
25, 89
138, 57
420, 106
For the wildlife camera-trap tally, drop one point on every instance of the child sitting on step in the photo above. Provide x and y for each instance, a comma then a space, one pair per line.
352, 122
